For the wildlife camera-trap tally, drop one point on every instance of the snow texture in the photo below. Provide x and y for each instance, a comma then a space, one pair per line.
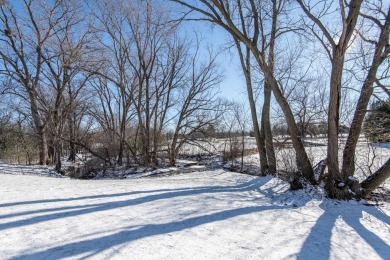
200, 215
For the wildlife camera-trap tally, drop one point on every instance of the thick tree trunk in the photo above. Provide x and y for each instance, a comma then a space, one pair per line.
57, 157
43, 150
334, 115
72, 152
376, 179
172, 150
39, 128
262, 152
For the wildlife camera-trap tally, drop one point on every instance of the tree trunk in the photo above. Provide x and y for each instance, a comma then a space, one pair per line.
39, 128
263, 151
121, 142
57, 157
242, 150
376, 179
172, 150
348, 167
334, 115
43, 151
260, 142
266, 128
303, 162
72, 146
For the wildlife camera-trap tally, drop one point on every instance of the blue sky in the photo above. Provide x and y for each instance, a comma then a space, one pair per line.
233, 85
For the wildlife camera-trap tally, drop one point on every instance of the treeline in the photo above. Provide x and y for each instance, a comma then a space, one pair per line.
108, 78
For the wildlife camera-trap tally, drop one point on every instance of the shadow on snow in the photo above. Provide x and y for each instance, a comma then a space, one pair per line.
317, 244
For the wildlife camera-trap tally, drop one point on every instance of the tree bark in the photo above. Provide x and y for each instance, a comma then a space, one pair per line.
72, 137
39, 128
266, 128
334, 114
376, 179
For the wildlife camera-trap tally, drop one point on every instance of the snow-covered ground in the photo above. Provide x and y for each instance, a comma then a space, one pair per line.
200, 215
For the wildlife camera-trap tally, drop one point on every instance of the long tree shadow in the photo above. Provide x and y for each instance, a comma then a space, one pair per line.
318, 244
90, 208
11, 204
97, 245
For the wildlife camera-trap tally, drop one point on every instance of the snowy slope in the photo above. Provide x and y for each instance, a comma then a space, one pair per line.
207, 215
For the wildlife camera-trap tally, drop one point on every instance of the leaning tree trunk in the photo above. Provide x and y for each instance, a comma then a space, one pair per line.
348, 167
303, 162
376, 179
381, 48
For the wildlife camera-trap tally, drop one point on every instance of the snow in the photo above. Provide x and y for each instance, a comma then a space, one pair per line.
200, 215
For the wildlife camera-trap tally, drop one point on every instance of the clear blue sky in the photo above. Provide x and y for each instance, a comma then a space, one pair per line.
233, 85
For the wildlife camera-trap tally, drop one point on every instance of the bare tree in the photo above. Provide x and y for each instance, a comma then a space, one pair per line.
196, 106
64, 59
336, 42
227, 15
24, 35
116, 44
377, 18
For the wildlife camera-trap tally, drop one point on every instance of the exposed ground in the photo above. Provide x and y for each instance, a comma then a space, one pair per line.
199, 215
